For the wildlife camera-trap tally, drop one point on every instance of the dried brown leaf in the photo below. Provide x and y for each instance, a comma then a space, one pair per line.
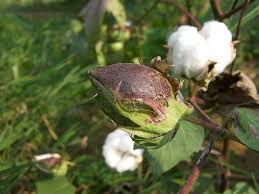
234, 89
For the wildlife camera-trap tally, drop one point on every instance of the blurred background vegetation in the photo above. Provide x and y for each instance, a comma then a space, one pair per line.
46, 49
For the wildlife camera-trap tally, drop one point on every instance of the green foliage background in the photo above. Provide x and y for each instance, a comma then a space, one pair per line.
45, 92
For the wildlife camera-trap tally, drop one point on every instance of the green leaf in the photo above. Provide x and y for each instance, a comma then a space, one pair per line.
246, 126
55, 185
241, 188
187, 140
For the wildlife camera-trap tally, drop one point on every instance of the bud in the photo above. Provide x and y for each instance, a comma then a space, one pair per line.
140, 99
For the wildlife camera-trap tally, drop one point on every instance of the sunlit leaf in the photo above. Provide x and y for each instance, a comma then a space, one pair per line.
187, 140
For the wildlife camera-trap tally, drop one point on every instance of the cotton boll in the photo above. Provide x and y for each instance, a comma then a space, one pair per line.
119, 153
126, 142
188, 52
220, 52
219, 41
112, 156
216, 30
180, 31
128, 162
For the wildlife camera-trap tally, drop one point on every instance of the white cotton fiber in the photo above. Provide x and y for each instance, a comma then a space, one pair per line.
118, 151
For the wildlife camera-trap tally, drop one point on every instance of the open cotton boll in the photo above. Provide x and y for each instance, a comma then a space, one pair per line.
188, 52
180, 31
128, 162
119, 153
220, 52
111, 155
216, 30
219, 41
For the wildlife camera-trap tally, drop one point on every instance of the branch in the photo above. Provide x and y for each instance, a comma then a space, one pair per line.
238, 29
206, 119
234, 5
194, 20
205, 153
199, 164
218, 13
237, 9
240, 19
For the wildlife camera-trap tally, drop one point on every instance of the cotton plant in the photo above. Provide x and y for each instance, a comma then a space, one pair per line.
146, 103
119, 153
191, 52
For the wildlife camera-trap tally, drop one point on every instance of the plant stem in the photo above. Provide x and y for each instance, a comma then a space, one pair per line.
206, 119
199, 164
226, 172
220, 15
216, 8
205, 153
237, 9
238, 30
234, 5
240, 19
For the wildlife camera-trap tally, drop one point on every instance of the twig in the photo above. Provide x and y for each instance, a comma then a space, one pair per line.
188, 4
202, 122
237, 9
194, 20
226, 172
199, 164
234, 5
147, 11
218, 13
204, 115
205, 153
207, 122
238, 30
240, 19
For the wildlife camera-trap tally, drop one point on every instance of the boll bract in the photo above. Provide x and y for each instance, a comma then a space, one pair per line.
119, 153
188, 52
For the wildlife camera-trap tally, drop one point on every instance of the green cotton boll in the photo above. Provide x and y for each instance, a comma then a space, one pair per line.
141, 100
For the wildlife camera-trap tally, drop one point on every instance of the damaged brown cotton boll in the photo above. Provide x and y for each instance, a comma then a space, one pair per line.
140, 99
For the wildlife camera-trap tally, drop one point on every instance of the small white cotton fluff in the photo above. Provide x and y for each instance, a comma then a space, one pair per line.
118, 151
219, 41
188, 52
